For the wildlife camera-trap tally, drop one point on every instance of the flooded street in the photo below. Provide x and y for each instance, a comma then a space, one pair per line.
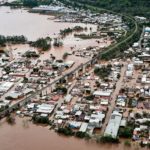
23, 136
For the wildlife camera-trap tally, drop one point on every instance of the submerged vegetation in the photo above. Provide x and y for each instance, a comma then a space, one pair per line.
82, 135
12, 40
65, 131
10, 119
69, 132
40, 119
70, 30
42, 43
87, 36
108, 139
65, 55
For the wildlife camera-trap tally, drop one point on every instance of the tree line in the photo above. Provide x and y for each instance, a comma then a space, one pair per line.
41, 43
12, 39
134, 7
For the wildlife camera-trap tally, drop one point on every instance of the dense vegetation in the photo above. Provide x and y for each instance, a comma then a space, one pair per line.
65, 131
42, 43
70, 30
82, 135
34, 3
65, 55
69, 132
108, 139
126, 132
12, 39
10, 119
134, 7
39, 119
103, 72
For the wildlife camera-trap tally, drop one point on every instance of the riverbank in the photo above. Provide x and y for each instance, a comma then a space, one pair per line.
25, 135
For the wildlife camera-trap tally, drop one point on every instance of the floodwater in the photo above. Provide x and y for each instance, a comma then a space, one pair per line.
34, 26
26, 136
31, 25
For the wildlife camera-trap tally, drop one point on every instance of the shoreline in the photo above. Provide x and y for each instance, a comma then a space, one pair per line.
25, 130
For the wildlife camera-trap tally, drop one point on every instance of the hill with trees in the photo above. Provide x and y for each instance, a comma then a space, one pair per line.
134, 7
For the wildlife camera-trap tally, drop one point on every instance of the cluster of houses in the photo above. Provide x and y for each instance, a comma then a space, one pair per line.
132, 103
107, 23
23, 75
141, 130
97, 104
88, 52
141, 48
85, 106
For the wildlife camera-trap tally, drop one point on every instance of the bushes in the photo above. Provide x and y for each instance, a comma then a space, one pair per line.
16, 39
57, 42
30, 54
65, 55
2, 40
25, 80
65, 131
70, 30
42, 43
82, 135
127, 143
103, 72
40, 120
109, 139
12, 39
126, 132
68, 132
10, 120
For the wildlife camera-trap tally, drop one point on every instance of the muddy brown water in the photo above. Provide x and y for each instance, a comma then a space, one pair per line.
34, 26
27, 136
31, 25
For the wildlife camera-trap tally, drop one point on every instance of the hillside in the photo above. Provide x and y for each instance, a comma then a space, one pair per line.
134, 7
